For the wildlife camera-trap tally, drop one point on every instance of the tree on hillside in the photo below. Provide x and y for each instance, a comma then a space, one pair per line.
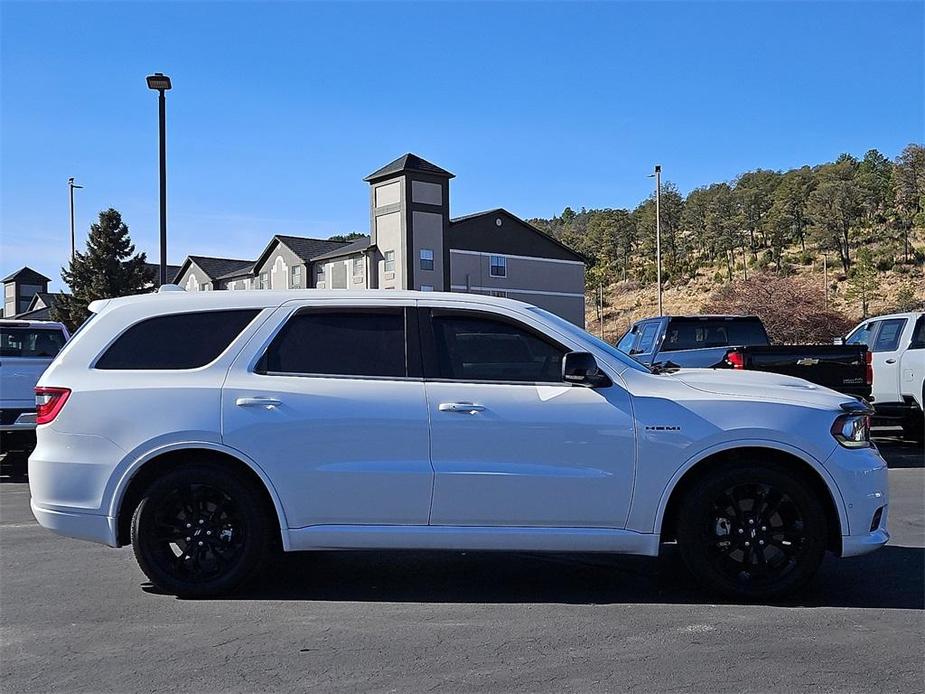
875, 180
791, 197
109, 268
754, 195
863, 282
909, 192
835, 207
791, 308
352, 236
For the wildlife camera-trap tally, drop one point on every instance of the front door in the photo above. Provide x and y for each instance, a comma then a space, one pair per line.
333, 410
511, 443
885, 359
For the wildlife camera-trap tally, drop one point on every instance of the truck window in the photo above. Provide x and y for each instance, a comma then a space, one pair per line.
701, 334
30, 342
647, 336
862, 335
625, 344
888, 335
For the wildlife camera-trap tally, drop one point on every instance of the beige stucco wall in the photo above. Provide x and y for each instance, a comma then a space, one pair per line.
389, 238
427, 232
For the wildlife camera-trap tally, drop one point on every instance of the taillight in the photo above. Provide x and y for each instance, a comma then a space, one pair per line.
869, 370
735, 359
48, 403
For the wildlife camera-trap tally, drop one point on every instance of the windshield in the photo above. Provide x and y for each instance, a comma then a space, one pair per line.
575, 331
30, 342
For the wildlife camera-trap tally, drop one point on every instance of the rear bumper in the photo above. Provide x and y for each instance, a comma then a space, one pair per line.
83, 526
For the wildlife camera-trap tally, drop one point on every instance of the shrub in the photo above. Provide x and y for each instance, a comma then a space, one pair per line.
791, 308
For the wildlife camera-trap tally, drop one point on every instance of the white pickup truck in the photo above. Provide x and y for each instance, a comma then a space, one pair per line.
897, 342
26, 350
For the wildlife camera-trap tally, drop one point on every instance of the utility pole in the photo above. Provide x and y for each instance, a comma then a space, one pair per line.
658, 233
70, 186
825, 282
160, 83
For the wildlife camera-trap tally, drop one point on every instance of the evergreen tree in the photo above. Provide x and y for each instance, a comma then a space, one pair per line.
863, 282
109, 268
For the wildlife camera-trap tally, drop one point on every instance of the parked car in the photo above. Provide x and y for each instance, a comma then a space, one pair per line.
897, 343
741, 342
205, 428
26, 350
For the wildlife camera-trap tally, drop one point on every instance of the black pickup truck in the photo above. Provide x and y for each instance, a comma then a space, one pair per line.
741, 342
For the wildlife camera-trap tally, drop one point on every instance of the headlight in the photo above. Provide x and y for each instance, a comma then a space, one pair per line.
852, 430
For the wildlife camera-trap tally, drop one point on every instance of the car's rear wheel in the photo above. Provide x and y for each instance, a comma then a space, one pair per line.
752, 531
200, 530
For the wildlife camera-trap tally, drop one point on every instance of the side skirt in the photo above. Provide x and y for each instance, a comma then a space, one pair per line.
473, 538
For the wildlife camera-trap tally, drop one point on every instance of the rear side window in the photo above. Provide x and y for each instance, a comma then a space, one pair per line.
177, 341
699, 334
626, 343
340, 343
481, 349
888, 335
862, 335
30, 342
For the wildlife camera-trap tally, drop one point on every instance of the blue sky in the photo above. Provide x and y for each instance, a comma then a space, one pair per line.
279, 110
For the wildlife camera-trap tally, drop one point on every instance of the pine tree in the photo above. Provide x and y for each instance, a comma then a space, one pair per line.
863, 283
109, 268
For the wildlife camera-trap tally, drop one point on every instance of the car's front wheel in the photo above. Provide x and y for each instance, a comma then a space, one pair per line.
200, 530
753, 531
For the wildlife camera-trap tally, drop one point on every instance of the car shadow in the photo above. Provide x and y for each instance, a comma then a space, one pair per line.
890, 578
901, 453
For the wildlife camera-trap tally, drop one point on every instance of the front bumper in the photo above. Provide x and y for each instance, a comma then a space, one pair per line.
862, 480
83, 526
856, 545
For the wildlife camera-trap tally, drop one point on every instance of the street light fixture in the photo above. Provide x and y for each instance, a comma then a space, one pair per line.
658, 233
71, 186
161, 83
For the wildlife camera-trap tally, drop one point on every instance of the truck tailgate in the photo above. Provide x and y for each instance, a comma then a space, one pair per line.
839, 367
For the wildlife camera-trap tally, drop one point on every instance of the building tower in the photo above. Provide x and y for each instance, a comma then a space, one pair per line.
409, 214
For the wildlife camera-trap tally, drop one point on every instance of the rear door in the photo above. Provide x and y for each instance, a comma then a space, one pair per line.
887, 351
329, 401
512, 444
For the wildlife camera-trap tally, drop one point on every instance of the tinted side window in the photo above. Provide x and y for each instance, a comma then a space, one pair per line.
889, 334
178, 341
918, 335
471, 348
647, 336
340, 343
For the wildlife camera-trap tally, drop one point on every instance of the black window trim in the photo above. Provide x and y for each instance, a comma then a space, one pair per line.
875, 338
413, 367
222, 309
429, 345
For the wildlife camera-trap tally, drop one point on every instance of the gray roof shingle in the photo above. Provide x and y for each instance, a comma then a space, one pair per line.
354, 246
408, 162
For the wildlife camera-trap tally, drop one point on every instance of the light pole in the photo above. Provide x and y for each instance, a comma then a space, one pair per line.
161, 83
70, 186
658, 233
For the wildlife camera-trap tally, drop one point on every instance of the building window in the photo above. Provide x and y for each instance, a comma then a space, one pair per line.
498, 266
500, 294
359, 266
319, 276
265, 280
390, 261
296, 272
427, 287
427, 259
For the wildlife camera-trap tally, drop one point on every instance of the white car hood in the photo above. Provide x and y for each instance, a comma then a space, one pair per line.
760, 385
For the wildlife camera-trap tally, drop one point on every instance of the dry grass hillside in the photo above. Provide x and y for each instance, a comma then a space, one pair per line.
626, 302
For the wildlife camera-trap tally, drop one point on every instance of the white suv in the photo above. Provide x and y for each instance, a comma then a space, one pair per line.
205, 428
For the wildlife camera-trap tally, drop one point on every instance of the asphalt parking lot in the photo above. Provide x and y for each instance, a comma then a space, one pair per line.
77, 617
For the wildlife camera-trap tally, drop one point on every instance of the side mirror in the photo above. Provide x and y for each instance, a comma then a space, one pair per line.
582, 368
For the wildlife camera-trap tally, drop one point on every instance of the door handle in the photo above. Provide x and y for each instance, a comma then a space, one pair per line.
464, 407
890, 361
268, 403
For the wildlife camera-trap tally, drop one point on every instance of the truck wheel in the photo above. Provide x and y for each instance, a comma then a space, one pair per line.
753, 532
200, 530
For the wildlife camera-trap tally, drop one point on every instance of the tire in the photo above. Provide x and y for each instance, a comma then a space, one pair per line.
773, 510
200, 531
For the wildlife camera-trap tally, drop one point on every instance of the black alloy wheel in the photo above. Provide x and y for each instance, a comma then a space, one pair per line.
752, 532
200, 531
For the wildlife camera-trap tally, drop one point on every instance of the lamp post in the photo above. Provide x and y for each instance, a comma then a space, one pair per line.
70, 186
161, 83
658, 233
